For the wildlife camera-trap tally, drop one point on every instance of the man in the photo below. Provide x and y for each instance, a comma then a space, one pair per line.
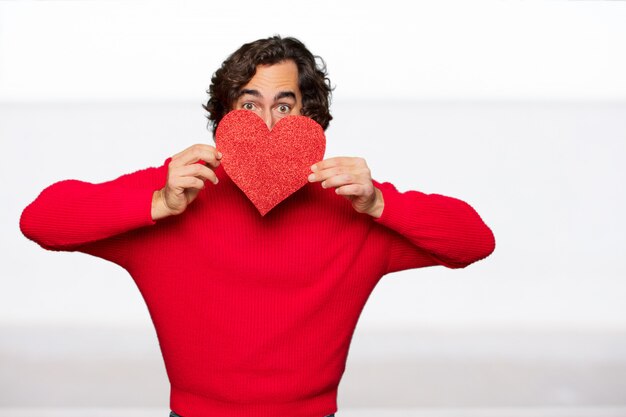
255, 314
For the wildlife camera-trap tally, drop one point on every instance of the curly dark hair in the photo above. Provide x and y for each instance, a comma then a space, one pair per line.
239, 68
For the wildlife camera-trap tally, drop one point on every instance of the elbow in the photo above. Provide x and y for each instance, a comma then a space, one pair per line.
484, 247
489, 245
28, 227
26, 224
469, 249
36, 227
479, 247
41, 221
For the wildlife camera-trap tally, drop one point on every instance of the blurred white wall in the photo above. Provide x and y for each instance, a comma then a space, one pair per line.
517, 107
547, 177
115, 49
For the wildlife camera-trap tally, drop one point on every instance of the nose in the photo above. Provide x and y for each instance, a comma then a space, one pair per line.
270, 120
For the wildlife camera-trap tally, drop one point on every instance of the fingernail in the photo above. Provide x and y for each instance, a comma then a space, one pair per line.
314, 168
312, 177
216, 180
219, 154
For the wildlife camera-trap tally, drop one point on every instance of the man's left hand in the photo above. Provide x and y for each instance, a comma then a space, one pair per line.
351, 178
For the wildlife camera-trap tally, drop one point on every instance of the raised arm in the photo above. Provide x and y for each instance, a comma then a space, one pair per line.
433, 229
70, 213
449, 230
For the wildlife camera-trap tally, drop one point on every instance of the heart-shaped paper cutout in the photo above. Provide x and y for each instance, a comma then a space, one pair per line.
268, 165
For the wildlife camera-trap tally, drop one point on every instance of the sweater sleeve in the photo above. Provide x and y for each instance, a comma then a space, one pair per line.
443, 229
72, 213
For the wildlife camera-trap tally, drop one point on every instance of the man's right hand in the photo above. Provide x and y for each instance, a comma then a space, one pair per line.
185, 179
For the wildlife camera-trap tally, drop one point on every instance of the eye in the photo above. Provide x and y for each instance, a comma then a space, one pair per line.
284, 108
247, 106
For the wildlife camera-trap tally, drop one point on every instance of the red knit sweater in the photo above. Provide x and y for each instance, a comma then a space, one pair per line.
254, 314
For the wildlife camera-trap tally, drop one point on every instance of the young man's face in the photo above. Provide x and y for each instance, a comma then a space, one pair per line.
272, 93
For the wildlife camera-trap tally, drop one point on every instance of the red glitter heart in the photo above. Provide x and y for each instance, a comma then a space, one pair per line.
268, 165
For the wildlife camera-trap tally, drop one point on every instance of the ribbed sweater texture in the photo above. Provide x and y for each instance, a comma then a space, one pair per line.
254, 314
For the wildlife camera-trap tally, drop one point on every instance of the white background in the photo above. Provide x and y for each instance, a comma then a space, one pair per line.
516, 107
99, 50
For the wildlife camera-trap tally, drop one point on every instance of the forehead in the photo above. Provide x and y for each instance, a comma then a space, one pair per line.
283, 75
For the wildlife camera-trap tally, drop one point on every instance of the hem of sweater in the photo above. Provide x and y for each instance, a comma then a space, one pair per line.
188, 404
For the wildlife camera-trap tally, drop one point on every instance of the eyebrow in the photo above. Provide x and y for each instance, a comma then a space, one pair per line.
285, 94
247, 91
257, 93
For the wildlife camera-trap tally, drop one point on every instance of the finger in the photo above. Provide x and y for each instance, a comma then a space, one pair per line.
359, 174
203, 158
338, 181
195, 170
351, 190
184, 183
333, 162
328, 173
194, 148
195, 153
